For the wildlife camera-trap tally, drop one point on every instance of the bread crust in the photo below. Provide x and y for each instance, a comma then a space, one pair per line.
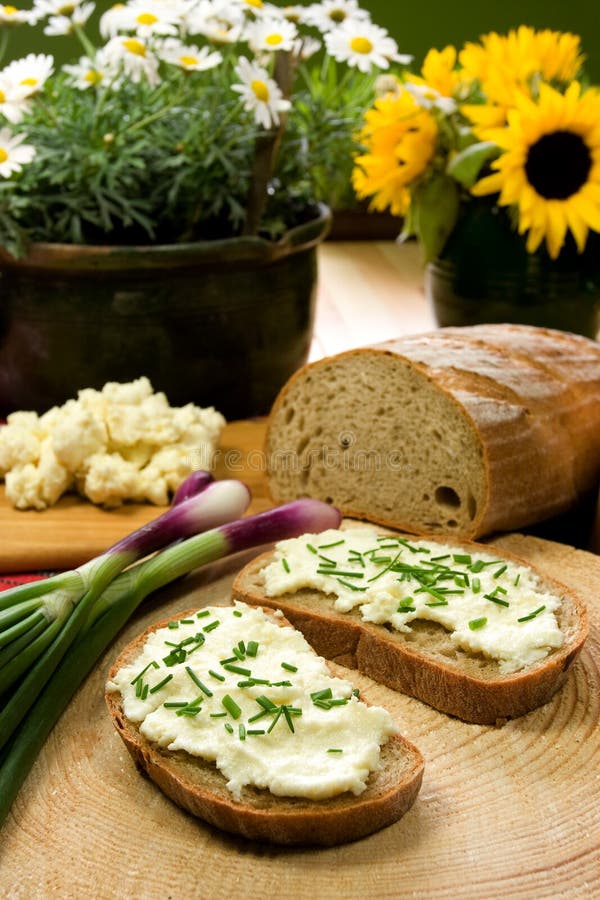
529, 396
198, 787
392, 660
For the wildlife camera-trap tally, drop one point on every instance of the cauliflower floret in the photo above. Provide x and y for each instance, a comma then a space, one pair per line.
110, 479
77, 436
38, 486
19, 442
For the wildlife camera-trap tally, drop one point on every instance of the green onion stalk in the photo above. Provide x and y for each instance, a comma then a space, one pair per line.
115, 606
39, 621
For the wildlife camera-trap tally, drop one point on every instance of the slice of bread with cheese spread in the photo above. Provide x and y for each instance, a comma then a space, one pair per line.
232, 714
464, 627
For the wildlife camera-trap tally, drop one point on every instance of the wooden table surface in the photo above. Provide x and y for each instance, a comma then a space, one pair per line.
503, 813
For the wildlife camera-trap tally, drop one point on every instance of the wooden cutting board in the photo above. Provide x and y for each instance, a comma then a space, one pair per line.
74, 530
512, 812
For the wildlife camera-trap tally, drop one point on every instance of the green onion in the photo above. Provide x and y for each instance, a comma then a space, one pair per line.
51, 672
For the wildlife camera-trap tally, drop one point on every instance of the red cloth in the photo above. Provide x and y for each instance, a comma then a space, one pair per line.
8, 581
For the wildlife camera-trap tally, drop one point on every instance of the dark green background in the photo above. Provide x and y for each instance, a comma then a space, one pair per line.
426, 23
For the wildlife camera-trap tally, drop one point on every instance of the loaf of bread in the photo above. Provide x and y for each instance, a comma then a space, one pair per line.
198, 786
426, 660
462, 431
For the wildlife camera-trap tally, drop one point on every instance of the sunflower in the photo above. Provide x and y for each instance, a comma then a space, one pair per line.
400, 141
550, 167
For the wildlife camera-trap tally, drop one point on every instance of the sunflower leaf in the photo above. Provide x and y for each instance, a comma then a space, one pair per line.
466, 165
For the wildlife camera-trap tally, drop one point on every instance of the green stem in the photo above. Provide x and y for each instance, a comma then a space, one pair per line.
84, 40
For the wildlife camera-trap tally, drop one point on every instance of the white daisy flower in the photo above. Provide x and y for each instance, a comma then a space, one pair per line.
60, 25
84, 74
10, 15
13, 100
220, 23
114, 21
428, 98
306, 46
131, 56
189, 57
260, 94
66, 8
13, 152
329, 14
271, 34
364, 45
29, 73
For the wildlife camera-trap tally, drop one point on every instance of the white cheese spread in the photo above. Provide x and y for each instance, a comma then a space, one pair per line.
231, 686
488, 605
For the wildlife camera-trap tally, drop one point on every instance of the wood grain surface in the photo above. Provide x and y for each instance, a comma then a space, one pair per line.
511, 812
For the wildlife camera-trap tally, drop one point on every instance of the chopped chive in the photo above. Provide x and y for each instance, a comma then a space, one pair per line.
339, 574
281, 684
341, 701
312, 549
218, 715
188, 711
255, 730
144, 693
144, 670
501, 571
285, 564
477, 566
275, 720
237, 613
402, 608
161, 684
266, 704
216, 675
203, 613
289, 667
238, 654
437, 603
231, 706
251, 648
288, 718
263, 712
197, 682
187, 621
173, 625
322, 704
439, 558
353, 587
517, 579
242, 731
497, 600
174, 704
325, 694
250, 682
229, 727
333, 544
476, 586
335, 750
464, 558
474, 624
211, 625
532, 615
230, 659
139, 687
326, 560
356, 692
238, 670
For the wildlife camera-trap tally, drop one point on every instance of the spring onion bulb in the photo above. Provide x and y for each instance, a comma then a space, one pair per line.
36, 631
121, 599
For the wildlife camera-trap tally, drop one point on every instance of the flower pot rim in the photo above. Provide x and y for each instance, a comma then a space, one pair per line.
243, 249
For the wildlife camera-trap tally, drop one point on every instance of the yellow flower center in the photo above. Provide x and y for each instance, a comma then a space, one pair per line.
257, 4
67, 10
361, 45
3, 155
147, 19
2, 97
273, 40
188, 60
337, 15
29, 82
134, 46
92, 77
261, 91
9, 10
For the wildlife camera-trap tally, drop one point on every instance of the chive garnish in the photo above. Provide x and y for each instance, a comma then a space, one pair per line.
211, 625
197, 682
144, 693
464, 558
242, 731
334, 544
285, 564
255, 730
437, 603
337, 574
216, 675
289, 667
266, 704
532, 615
335, 750
281, 683
353, 587
474, 624
218, 715
501, 571
237, 670
477, 566
403, 608
144, 670
174, 704
237, 613
439, 558
173, 625
476, 585
231, 706
187, 621
161, 684
517, 579
312, 549
188, 711
229, 727
324, 694
251, 648
497, 600
275, 720
230, 659
203, 613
